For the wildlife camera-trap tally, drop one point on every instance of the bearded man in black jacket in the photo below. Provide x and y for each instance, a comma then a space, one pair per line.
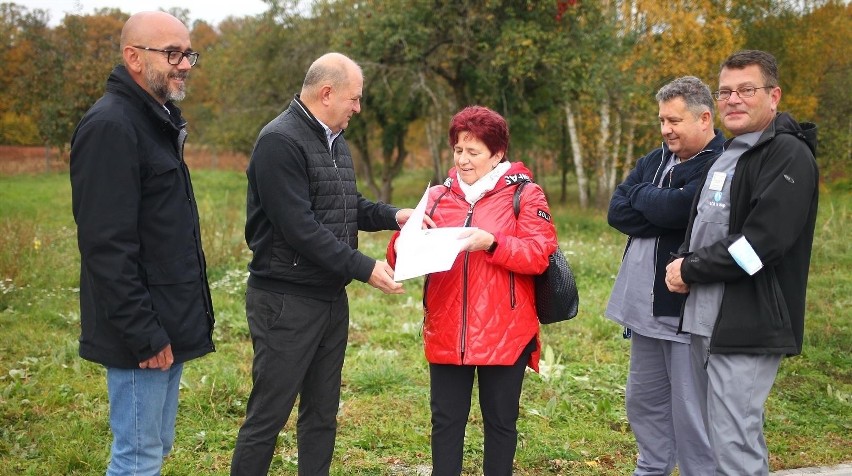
145, 305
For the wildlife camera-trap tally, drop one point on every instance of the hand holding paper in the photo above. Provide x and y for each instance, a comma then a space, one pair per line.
476, 239
383, 280
404, 215
426, 251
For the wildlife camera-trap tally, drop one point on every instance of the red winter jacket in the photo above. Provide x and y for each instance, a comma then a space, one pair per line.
482, 311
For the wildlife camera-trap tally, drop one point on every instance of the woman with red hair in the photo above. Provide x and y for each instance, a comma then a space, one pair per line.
480, 318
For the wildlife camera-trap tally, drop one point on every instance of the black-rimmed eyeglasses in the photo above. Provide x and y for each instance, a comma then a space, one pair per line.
175, 56
743, 92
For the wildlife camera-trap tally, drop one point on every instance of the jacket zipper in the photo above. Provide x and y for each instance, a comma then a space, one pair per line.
712, 338
707, 359
342, 192
199, 253
463, 342
627, 332
512, 288
425, 307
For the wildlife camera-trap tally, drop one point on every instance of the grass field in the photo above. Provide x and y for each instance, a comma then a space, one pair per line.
53, 405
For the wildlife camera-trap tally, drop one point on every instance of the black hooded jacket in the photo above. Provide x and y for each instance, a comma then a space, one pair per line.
143, 280
774, 195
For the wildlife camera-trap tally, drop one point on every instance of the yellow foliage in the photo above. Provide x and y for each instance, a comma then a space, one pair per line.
16, 129
812, 54
802, 107
678, 38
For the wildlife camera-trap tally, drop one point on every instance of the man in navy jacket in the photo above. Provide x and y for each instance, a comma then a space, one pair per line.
652, 207
145, 305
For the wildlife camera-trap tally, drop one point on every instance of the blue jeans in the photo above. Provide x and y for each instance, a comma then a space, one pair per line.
142, 409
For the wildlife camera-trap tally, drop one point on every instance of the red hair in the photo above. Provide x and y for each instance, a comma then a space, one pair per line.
484, 124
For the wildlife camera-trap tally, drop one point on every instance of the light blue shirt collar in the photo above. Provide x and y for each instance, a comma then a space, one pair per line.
329, 136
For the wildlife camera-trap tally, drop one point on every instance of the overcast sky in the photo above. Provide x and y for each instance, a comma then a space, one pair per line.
212, 11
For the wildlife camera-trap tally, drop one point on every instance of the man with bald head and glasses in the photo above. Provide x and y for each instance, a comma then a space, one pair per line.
145, 305
745, 260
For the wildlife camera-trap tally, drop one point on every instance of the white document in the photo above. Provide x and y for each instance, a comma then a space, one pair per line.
744, 255
420, 251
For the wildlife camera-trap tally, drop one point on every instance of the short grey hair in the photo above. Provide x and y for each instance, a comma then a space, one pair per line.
692, 90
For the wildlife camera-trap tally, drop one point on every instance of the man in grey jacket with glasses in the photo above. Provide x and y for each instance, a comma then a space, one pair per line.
745, 259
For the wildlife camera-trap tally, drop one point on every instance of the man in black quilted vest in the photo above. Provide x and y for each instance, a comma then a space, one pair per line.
303, 213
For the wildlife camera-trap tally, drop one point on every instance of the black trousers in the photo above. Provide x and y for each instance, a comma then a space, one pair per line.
299, 345
499, 397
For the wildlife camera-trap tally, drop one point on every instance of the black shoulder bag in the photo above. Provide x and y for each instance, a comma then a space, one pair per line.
556, 297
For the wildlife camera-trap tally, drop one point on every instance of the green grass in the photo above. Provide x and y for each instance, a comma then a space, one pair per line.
53, 405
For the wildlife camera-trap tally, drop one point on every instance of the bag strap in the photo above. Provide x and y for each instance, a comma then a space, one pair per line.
447, 183
516, 199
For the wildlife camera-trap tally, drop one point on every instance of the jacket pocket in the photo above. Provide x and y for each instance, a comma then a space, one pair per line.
512, 296
283, 258
774, 302
163, 183
178, 296
160, 165
181, 270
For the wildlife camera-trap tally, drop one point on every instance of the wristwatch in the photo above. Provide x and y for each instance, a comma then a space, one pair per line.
492, 247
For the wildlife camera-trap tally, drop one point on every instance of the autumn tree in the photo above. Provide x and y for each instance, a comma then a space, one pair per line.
807, 38
828, 80
200, 104
575, 79
21, 33
255, 67
85, 48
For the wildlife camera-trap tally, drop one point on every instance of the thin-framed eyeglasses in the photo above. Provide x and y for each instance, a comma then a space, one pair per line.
175, 56
743, 92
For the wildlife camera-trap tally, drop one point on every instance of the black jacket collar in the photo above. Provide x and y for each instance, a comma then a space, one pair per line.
120, 82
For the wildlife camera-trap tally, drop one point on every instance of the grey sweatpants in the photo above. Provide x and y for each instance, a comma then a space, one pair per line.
663, 410
735, 388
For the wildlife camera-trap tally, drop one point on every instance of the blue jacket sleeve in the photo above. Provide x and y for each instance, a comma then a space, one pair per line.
622, 214
667, 207
375, 216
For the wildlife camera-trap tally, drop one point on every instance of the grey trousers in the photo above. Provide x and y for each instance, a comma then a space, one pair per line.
735, 388
663, 410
